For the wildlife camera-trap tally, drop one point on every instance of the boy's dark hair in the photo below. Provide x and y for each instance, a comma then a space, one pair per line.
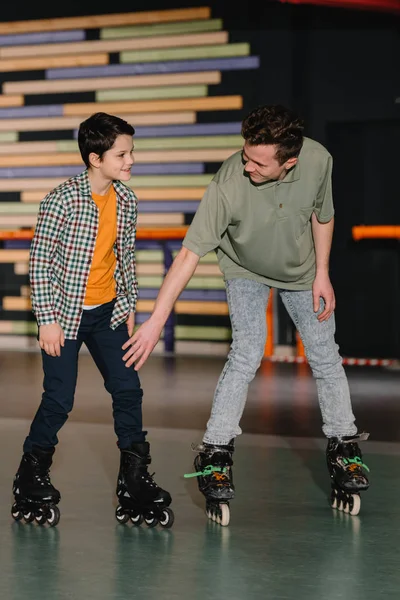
277, 125
98, 133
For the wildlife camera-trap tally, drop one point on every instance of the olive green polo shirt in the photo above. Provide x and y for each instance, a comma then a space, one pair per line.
263, 232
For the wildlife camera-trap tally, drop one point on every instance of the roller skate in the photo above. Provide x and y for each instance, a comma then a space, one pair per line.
213, 469
36, 498
348, 472
140, 498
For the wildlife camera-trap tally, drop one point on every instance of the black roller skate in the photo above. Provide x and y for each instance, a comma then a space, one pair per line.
140, 498
347, 471
213, 469
35, 496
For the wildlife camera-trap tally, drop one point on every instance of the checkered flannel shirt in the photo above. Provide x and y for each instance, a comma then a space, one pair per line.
62, 250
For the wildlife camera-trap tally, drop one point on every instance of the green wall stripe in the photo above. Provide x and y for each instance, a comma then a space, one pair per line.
204, 283
13, 208
8, 136
222, 50
156, 93
146, 281
149, 256
196, 283
162, 29
188, 332
24, 327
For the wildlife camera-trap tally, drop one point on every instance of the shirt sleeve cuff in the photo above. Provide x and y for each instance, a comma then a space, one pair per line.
47, 318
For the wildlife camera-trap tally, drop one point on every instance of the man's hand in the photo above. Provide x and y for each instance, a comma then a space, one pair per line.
322, 288
51, 338
142, 343
130, 323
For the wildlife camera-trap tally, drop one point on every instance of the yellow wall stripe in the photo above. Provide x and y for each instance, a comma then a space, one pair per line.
186, 104
11, 100
54, 123
173, 193
28, 64
74, 158
97, 21
108, 83
117, 45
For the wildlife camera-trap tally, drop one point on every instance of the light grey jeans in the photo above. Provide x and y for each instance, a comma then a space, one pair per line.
247, 301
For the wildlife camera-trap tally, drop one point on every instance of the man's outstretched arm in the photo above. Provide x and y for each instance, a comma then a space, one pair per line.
146, 337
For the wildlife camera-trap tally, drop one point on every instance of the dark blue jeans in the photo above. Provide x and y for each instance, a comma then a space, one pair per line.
60, 375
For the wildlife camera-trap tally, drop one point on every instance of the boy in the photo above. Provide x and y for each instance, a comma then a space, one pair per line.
84, 290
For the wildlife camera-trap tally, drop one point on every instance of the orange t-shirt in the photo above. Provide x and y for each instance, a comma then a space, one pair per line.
101, 283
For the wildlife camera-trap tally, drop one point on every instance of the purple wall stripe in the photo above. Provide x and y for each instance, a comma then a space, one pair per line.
185, 130
42, 38
173, 66
141, 317
168, 206
49, 110
70, 171
210, 295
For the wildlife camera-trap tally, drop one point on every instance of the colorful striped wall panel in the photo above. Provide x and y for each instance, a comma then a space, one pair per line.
163, 71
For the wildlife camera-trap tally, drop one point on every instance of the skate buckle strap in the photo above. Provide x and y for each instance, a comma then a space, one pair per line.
208, 470
357, 461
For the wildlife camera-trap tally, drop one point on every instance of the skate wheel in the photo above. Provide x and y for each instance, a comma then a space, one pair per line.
29, 517
167, 519
354, 504
40, 517
16, 513
224, 515
137, 519
53, 517
150, 520
120, 515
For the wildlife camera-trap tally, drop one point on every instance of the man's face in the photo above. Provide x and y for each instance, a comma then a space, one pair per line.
261, 165
117, 162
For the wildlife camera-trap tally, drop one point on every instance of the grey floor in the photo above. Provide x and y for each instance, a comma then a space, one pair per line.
283, 542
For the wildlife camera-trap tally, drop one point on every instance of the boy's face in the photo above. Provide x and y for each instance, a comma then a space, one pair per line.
117, 162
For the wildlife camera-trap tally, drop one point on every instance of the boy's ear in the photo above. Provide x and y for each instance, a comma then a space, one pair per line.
94, 160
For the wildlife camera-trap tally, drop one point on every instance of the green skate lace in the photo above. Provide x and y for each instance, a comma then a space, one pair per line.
357, 461
208, 470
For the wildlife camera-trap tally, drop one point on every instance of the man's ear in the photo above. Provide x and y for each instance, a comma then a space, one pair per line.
289, 164
94, 160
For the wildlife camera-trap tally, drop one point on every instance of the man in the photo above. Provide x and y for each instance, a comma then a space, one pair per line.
269, 215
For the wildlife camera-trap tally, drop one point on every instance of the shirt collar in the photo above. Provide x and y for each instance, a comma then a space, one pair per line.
122, 190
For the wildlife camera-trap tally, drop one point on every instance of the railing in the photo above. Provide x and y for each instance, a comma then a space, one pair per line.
163, 236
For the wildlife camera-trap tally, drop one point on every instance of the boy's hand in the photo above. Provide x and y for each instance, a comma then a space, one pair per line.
130, 323
51, 338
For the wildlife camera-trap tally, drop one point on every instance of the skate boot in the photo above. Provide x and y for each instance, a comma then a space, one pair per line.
35, 496
348, 472
140, 498
213, 470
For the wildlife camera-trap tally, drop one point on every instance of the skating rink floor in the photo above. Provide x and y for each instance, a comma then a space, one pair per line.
284, 541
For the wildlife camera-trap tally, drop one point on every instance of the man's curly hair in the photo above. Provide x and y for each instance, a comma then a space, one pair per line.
277, 125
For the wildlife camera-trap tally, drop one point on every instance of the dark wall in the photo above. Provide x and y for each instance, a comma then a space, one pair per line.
340, 70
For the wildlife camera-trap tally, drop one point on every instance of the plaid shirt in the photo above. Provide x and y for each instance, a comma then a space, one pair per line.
62, 250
